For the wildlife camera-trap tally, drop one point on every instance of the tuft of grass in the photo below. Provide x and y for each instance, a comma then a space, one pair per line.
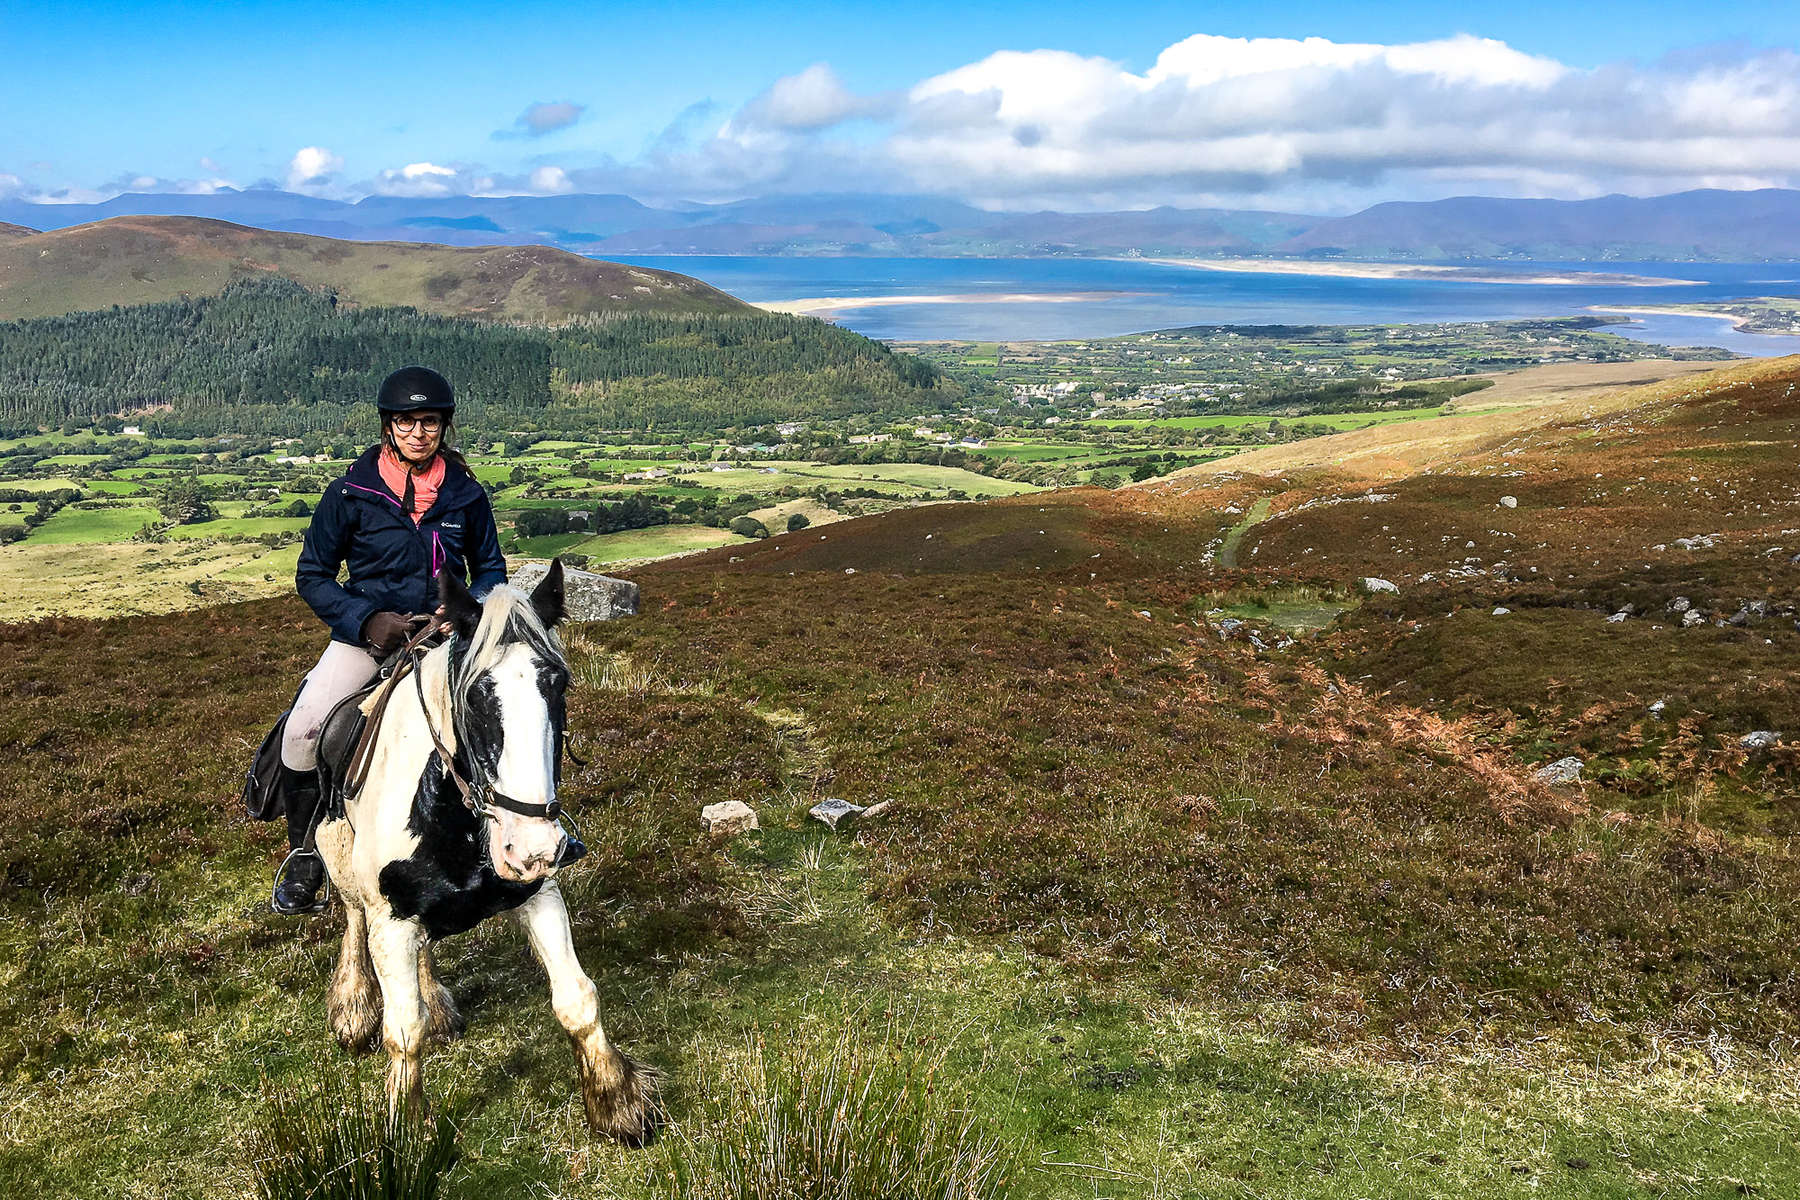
866, 1117
337, 1142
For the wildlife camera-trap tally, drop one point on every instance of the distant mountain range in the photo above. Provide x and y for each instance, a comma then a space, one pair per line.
1703, 225
140, 260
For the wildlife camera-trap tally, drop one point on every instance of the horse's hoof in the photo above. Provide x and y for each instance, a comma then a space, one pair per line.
631, 1110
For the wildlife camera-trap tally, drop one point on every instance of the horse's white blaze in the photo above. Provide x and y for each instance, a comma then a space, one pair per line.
524, 847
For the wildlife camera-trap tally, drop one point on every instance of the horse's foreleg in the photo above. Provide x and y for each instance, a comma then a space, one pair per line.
441, 1018
619, 1094
354, 1003
394, 946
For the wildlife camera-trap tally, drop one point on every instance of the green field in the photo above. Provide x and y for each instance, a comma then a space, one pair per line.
75, 524
1337, 422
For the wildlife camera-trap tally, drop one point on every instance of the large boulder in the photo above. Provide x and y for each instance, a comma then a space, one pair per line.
586, 596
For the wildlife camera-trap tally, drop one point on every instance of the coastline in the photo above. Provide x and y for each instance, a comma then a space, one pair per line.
1378, 270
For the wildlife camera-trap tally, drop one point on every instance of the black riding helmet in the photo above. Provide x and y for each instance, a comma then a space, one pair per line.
412, 389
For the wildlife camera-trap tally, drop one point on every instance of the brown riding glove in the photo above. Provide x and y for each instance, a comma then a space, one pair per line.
385, 632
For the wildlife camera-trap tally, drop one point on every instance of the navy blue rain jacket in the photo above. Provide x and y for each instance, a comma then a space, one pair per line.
394, 563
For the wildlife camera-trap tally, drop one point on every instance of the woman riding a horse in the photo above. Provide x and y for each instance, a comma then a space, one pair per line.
454, 816
408, 509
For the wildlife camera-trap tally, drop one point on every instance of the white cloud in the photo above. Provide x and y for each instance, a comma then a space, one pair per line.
549, 180
427, 180
1306, 122
811, 100
312, 166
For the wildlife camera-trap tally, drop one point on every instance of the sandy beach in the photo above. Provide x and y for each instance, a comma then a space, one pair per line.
814, 306
1377, 270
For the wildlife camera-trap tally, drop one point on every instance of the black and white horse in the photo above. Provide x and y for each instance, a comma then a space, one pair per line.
415, 860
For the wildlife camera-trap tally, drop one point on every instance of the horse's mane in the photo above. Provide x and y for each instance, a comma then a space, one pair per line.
506, 618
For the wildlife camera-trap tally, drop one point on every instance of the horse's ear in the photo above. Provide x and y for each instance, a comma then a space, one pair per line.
461, 608
547, 596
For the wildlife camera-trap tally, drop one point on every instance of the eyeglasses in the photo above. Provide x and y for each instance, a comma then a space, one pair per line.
430, 424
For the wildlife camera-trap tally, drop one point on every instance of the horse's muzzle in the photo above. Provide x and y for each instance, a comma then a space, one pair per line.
526, 851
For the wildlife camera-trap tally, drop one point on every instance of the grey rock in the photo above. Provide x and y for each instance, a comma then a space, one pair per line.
835, 812
1618, 617
1501, 610
1680, 604
1740, 617
1656, 709
728, 818
1762, 739
1692, 617
586, 596
1509, 502
1564, 772
1372, 585
1227, 626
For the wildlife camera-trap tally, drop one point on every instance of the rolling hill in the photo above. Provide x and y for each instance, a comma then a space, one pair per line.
145, 259
1203, 880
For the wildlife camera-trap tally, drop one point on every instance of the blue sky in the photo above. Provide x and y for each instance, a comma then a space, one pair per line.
718, 100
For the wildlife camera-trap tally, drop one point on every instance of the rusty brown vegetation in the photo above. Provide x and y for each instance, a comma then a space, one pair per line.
1338, 841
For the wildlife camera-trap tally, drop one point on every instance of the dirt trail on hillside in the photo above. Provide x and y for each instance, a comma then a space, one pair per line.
1535, 397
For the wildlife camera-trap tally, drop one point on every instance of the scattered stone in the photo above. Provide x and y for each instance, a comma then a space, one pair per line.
849, 570
1509, 502
1656, 709
1372, 585
1501, 610
877, 809
1757, 608
1762, 739
834, 811
1562, 773
1680, 604
586, 596
1144, 613
1257, 642
728, 818
1740, 618
1617, 617
1227, 626
1692, 617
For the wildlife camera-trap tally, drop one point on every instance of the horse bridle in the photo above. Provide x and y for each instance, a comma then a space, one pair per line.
479, 794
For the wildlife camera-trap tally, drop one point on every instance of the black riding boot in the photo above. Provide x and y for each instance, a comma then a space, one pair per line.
302, 873
573, 850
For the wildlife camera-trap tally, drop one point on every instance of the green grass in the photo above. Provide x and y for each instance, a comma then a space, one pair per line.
75, 524
111, 487
1337, 422
923, 476
656, 542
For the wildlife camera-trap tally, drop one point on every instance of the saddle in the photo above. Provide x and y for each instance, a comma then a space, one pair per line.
346, 743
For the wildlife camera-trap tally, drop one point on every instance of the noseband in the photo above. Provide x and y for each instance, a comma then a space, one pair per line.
479, 794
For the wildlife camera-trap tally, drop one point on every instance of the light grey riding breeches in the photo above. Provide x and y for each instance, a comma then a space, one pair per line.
340, 670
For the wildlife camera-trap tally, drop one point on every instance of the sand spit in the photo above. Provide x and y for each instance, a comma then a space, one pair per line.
1378, 270
1740, 324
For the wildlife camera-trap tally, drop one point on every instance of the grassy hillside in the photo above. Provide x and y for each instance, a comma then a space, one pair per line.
1188, 913
143, 260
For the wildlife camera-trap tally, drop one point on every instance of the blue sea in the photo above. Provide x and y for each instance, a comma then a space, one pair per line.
1105, 297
